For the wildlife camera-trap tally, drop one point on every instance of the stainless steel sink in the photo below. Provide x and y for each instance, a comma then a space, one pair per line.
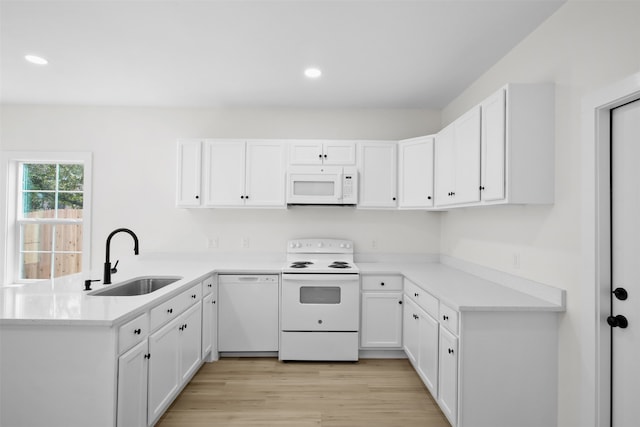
137, 286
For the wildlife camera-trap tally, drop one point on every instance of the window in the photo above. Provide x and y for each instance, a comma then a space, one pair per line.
48, 208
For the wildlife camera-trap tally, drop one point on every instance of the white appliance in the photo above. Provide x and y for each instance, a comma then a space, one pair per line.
248, 313
322, 185
320, 301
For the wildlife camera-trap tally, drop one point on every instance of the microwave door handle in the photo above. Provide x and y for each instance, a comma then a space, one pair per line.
340, 183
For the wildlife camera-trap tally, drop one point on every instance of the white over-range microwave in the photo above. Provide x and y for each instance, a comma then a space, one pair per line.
322, 185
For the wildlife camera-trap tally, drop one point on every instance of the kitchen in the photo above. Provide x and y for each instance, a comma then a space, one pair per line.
573, 49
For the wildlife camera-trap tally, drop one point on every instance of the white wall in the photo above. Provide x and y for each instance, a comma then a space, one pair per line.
583, 46
134, 168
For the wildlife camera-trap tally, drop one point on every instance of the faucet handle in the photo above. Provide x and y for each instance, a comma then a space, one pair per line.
114, 269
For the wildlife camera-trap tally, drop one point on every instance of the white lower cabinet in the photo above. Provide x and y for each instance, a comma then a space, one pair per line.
175, 355
381, 312
421, 343
132, 386
448, 375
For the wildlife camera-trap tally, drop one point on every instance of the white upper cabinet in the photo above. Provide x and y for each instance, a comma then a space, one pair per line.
224, 172
518, 137
499, 152
457, 161
231, 173
322, 153
492, 179
377, 167
189, 169
415, 171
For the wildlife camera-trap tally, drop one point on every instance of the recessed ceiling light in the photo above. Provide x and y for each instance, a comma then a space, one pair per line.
34, 59
312, 73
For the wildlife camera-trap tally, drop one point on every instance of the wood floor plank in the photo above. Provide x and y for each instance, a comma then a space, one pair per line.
265, 392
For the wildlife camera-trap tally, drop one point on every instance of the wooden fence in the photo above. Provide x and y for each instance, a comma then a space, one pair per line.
39, 242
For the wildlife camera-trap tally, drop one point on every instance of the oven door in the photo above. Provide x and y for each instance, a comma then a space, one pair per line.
320, 302
314, 186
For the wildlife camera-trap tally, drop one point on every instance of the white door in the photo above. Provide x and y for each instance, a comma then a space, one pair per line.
381, 320
467, 157
339, 153
189, 169
305, 153
191, 342
444, 167
164, 368
377, 175
625, 201
492, 169
265, 174
428, 353
132, 386
448, 375
415, 186
410, 331
224, 173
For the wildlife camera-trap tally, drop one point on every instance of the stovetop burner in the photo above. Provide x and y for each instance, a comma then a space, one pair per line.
339, 265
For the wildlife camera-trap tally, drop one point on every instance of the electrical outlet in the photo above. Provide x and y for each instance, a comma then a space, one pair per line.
213, 242
244, 242
516, 260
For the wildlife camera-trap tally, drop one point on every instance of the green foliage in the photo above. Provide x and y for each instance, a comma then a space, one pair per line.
39, 186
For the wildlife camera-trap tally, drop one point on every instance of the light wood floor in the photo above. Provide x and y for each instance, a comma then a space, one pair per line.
265, 392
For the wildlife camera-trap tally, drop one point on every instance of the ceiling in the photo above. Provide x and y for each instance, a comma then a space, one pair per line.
252, 54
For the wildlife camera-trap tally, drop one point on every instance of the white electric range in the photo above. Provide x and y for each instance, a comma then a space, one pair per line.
320, 301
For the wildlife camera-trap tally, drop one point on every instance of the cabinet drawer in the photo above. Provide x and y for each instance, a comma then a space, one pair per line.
133, 332
424, 299
192, 296
176, 305
449, 318
207, 285
382, 283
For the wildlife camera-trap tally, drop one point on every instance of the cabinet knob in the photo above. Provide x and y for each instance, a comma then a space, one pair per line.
400, 302
137, 331
445, 317
415, 295
246, 197
197, 197
170, 310
621, 294
242, 197
320, 156
325, 156
428, 197
394, 199
147, 356
381, 283
214, 301
193, 296
450, 351
481, 187
618, 321
209, 285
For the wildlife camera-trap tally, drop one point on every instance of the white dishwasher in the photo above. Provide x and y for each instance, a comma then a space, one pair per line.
248, 312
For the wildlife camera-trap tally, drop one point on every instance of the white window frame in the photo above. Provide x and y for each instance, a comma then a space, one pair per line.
10, 232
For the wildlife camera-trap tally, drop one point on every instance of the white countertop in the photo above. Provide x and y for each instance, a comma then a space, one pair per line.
63, 302
462, 291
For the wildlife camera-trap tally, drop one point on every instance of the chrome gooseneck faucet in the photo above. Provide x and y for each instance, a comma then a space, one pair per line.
107, 264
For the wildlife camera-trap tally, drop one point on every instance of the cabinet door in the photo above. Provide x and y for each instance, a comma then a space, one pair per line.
492, 182
208, 307
164, 368
415, 186
448, 375
189, 169
467, 157
339, 153
410, 330
377, 175
132, 386
190, 342
305, 153
381, 320
265, 174
224, 173
444, 167
428, 353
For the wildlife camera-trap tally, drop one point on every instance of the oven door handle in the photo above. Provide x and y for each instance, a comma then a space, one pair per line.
319, 277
